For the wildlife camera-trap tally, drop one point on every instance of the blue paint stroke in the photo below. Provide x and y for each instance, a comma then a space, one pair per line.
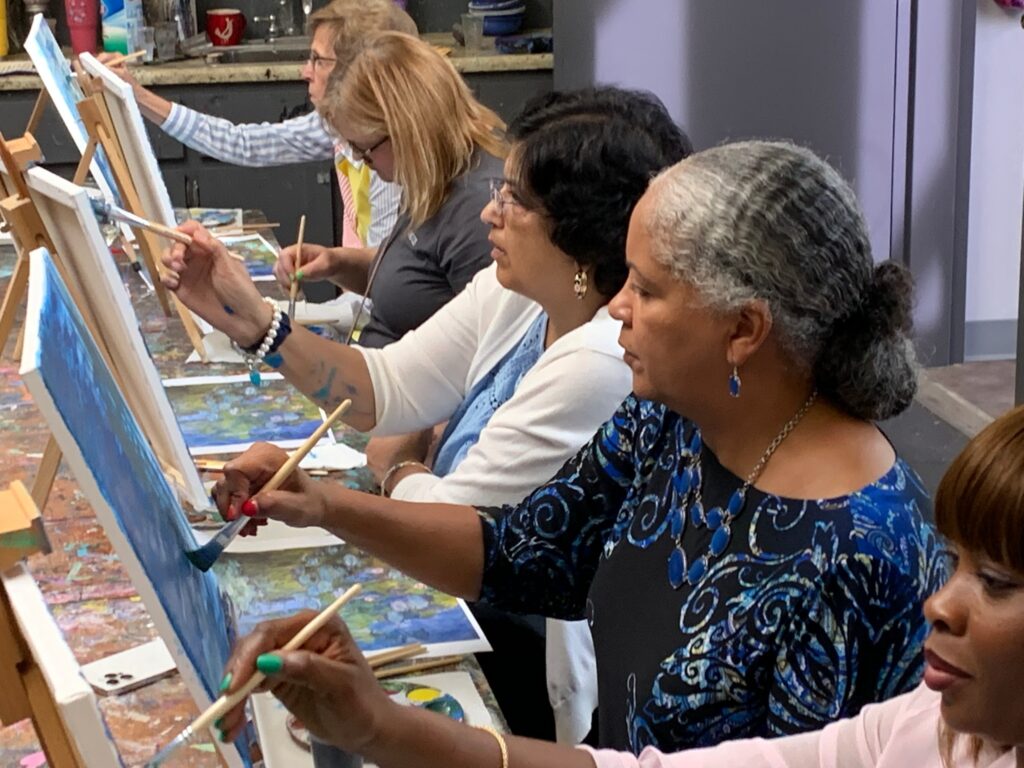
129, 478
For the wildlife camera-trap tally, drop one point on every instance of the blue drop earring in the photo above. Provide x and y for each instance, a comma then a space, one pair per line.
734, 382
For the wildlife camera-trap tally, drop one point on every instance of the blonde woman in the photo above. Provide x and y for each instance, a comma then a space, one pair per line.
403, 109
370, 203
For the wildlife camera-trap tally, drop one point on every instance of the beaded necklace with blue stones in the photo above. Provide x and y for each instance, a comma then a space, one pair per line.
689, 485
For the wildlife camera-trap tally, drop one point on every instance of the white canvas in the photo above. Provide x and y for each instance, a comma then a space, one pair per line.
74, 697
67, 214
63, 89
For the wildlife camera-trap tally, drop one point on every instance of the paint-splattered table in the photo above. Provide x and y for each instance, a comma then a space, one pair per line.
88, 591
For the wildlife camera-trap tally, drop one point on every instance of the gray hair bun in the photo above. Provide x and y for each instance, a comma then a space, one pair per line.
868, 364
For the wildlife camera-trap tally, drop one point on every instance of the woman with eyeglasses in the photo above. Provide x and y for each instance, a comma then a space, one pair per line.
370, 203
750, 552
524, 364
406, 113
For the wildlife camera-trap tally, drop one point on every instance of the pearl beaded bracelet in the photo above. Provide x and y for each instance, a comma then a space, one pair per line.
280, 327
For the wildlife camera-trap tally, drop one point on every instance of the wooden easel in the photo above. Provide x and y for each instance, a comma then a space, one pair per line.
20, 216
26, 694
93, 111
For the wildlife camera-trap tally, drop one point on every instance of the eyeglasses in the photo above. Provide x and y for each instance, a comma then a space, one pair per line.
315, 58
500, 200
364, 154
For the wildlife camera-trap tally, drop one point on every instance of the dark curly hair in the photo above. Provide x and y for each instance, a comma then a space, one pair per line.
585, 158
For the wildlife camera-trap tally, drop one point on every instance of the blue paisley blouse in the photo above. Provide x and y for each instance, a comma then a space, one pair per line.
812, 610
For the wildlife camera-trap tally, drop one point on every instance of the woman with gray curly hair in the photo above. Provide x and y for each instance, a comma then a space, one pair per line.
750, 551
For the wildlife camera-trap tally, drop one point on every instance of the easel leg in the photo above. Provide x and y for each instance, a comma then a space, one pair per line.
47, 472
191, 329
37, 111
60, 753
19, 345
12, 300
82, 171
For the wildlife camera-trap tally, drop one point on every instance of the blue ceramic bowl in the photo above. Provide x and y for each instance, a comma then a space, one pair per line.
494, 5
506, 22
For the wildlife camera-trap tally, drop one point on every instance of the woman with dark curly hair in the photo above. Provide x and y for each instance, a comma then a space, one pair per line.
524, 364
749, 550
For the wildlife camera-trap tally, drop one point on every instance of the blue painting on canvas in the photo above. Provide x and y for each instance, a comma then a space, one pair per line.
62, 355
65, 93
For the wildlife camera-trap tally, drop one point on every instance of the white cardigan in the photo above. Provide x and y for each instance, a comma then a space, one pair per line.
574, 387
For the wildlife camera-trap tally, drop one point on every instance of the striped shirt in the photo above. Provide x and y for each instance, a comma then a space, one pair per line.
298, 140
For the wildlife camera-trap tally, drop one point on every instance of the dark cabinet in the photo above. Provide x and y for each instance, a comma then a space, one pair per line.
283, 193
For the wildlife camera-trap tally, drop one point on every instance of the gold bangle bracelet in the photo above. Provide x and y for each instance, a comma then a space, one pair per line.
400, 465
501, 742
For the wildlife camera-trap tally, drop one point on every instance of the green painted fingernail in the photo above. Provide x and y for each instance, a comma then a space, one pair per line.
269, 663
219, 723
298, 275
222, 736
225, 683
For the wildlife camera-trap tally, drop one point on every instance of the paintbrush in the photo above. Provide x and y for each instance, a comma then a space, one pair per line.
204, 557
237, 229
396, 654
227, 702
416, 666
120, 59
294, 290
107, 212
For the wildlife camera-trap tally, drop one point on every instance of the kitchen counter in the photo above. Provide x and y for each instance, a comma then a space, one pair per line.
198, 72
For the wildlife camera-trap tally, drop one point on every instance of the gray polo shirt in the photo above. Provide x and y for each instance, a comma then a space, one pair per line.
421, 271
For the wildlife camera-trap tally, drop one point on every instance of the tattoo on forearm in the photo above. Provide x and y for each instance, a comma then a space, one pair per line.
324, 392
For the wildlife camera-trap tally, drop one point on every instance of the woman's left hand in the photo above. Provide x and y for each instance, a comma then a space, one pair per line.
216, 286
382, 453
327, 685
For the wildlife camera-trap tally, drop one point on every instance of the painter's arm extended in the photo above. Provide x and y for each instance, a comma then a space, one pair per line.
218, 288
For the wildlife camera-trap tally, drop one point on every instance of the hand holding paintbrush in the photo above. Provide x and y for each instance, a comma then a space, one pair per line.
231, 699
329, 685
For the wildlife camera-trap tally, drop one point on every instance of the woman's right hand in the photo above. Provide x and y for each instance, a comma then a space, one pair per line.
217, 287
299, 501
328, 684
318, 263
121, 70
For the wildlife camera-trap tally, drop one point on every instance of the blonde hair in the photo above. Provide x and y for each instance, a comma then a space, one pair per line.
400, 87
979, 505
349, 21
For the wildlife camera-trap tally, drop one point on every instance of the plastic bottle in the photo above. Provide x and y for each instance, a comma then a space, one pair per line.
122, 23
3, 28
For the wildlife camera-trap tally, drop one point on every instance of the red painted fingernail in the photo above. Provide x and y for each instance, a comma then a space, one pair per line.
232, 512
250, 508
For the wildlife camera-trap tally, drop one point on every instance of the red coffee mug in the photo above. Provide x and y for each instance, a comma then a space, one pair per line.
224, 26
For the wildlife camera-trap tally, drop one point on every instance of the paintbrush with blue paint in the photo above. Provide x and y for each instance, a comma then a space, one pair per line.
107, 212
204, 557
227, 702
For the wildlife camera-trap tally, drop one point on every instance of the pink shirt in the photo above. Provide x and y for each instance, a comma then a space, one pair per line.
899, 733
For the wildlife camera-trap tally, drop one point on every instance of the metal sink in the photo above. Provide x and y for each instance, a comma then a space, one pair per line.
281, 50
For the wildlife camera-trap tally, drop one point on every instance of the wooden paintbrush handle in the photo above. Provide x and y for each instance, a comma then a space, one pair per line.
293, 461
227, 702
293, 291
417, 666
